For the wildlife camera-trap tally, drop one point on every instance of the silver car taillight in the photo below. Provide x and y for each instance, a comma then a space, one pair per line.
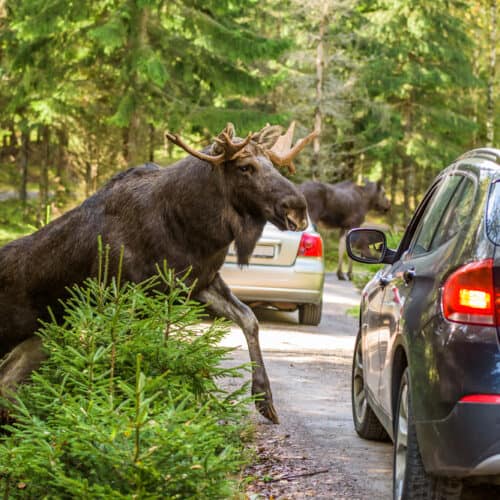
311, 245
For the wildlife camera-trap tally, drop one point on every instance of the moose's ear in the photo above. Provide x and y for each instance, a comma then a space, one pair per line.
268, 136
379, 184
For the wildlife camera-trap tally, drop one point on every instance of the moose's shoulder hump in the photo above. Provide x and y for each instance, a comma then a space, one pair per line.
139, 171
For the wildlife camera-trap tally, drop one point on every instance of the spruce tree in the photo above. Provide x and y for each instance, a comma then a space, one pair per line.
418, 77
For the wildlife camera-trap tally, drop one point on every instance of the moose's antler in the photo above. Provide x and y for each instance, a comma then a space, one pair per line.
215, 160
282, 153
229, 150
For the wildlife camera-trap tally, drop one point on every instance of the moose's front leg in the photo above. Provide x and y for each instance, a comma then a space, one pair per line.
342, 250
222, 302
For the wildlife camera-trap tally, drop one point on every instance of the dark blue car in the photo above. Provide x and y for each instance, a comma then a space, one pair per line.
426, 368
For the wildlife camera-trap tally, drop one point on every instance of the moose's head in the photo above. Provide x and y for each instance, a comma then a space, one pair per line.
377, 196
254, 185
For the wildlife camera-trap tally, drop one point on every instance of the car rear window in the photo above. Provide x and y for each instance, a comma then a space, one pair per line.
493, 214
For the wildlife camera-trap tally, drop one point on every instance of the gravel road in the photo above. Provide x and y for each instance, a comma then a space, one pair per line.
315, 452
309, 368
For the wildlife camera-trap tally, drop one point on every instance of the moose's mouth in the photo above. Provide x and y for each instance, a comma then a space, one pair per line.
290, 224
290, 220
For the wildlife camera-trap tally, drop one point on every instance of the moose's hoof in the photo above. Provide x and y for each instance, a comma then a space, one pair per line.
341, 276
349, 276
266, 409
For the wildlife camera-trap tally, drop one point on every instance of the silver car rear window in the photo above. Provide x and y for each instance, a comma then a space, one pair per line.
493, 213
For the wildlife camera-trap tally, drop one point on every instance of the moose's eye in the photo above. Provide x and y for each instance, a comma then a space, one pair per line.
245, 168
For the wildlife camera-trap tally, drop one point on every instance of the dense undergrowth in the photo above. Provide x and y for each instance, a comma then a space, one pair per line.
16, 221
128, 404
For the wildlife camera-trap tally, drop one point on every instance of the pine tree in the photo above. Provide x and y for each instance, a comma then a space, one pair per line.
419, 77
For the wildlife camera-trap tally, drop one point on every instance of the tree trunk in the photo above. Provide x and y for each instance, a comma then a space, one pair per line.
475, 96
407, 161
317, 171
151, 156
137, 131
418, 186
490, 113
394, 182
406, 172
349, 161
44, 176
62, 164
88, 179
23, 166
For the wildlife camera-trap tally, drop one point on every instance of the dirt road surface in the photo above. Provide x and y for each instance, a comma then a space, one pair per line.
315, 451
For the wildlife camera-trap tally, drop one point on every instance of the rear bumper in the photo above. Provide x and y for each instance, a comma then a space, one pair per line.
301, 283
465, 443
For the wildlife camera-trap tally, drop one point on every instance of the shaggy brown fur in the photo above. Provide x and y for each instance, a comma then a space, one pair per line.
186, 214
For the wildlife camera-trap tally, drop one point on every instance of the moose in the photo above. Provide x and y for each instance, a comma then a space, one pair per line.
186, 214
343, 205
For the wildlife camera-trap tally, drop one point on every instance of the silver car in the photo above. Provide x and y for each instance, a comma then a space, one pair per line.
286, 272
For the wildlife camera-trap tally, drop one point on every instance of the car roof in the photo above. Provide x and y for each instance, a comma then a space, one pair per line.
479, 160
491, 154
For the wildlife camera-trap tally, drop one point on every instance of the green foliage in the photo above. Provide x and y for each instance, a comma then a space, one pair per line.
127, 404
418, 74
16, 222
95, 84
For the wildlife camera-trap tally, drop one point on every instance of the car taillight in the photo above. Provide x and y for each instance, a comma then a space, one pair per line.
488, 399
470, 296
311, 245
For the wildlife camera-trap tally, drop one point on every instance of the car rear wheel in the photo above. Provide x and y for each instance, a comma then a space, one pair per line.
366, 423
310, 314
410, 480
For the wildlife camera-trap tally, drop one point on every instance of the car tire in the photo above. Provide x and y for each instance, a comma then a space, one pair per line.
366, 423
310, 314
410, 480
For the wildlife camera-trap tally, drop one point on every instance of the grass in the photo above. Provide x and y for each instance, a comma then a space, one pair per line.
16, 221
353, 312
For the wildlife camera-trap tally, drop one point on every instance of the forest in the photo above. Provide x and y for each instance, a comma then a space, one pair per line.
397, 88
130, 403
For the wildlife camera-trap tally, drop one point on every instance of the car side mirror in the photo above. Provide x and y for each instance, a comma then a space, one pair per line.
368, 246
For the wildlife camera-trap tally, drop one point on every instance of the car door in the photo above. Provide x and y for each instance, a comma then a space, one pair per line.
373, 295
412, 280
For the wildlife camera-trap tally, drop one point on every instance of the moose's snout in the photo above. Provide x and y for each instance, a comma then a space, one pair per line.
295, 212
295, 220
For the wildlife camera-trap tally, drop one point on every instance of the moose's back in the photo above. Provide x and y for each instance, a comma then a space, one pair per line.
36, 270
334, 205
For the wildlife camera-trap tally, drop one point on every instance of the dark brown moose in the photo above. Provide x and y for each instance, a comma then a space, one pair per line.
343, 205
186, 214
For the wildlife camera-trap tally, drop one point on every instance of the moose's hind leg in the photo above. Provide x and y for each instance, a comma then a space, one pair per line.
19, 363
222, 302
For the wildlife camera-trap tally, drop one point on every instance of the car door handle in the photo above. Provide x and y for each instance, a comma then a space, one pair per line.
409, 275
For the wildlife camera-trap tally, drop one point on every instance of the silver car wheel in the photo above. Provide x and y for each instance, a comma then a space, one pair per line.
360, 402
401, 444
